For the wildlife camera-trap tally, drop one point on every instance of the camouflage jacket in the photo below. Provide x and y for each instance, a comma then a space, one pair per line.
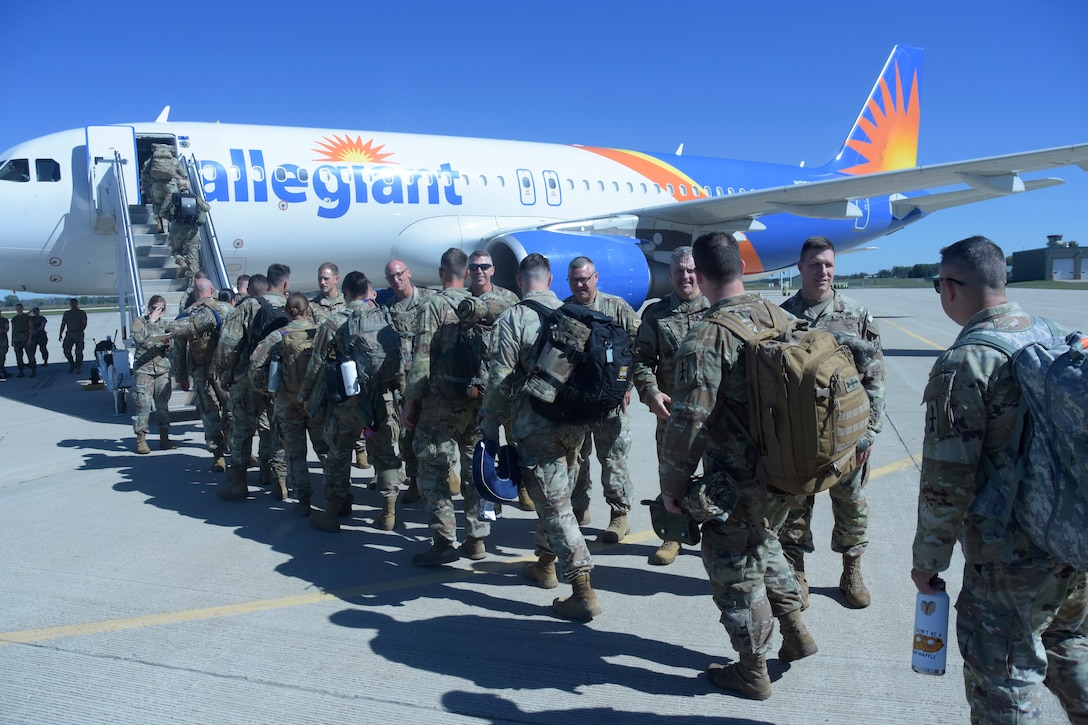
404, 313
269, 348
436, 329
4, 327
150, 356
500, 293
229, 362
20, 328
857, 329
182, 365
710, 373
322, 306
514, 337
665, 323
73, 322
326, 347
971, 404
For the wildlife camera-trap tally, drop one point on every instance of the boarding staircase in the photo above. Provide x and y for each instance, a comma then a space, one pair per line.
145, 266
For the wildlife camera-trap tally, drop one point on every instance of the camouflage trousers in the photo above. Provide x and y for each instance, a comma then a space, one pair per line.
250, 412
22, 349
40, 342
208, 406
849, 508
381, 445
1022, 626
612, 438
545, 458
161, 192
750, 579
292, 425
150, 387
185, 243
405, 440
73, 347
3, 354
447, 430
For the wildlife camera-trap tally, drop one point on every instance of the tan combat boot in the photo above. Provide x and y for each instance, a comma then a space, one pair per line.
388, 519
141, 444
361, 460
542, 572
220, 463
525, 502
797, 563
617, 528
329, 519
441, 552
666, 553
165, 444
236, 488
797, 642
851, 584
748, 677
410, 494
581, 605
472, 548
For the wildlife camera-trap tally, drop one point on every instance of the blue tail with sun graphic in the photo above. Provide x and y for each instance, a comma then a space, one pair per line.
885, 135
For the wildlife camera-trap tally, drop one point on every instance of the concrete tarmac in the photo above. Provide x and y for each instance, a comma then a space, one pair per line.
129, 593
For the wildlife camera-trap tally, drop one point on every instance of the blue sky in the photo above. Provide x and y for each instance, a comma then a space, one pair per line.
771, 81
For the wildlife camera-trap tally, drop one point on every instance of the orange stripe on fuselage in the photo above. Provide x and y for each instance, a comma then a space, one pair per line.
653, 169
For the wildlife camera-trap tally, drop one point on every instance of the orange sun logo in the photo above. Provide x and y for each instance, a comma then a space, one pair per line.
892, 133
349, 149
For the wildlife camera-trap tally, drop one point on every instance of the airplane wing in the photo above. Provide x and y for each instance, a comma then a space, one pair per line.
985, 178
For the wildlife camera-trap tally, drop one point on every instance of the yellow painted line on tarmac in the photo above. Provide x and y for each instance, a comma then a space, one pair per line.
45, 634
913, 334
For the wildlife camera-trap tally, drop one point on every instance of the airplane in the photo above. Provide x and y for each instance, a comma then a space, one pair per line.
302, 196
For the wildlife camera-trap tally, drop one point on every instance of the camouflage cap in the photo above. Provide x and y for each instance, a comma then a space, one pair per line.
711, 496
670, 526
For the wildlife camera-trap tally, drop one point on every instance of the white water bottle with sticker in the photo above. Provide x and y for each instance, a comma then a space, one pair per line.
930, 633
350, 375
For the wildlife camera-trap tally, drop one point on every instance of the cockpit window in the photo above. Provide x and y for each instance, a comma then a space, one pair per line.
15, 170
48, 169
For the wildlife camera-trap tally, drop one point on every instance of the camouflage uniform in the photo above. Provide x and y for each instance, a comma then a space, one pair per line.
1021, 614
39, 339
185, 236
404, 314
151, 370
20, 339
447, 423
290, 420
344, 423
749, 576
161, 191
855, 327
545, 449
210, 398
322, 306
249, 408
74, 323
4, 327
612, 435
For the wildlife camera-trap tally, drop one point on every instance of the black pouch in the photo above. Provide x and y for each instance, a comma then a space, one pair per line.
670, 526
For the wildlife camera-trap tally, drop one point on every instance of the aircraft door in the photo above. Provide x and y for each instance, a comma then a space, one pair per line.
528, 188
102, 141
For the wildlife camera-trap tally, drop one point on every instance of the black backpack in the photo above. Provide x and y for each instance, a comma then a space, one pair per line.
267, 320
582, 364
186, 209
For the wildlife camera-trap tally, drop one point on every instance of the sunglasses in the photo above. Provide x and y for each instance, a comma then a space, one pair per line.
476, 267
396, 275
937, 283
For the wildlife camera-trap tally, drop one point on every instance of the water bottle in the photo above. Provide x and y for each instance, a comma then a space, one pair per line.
274, 375
350, 375
930, 633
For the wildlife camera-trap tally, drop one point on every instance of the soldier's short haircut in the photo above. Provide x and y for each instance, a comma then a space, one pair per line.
355, 285
579, 262
242, 278
203, 287
329, 267
680, 253
535, 268
478, 254
277, 274
226, 295
976, 260
816, 245
297, 305
258, 285
454, 262
717, 256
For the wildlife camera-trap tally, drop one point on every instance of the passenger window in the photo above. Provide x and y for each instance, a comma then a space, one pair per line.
48, 169
15, 170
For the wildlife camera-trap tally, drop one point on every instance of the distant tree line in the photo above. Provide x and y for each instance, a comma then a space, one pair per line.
917, 271
11, 300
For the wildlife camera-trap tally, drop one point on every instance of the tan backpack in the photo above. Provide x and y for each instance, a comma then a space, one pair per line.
807, 405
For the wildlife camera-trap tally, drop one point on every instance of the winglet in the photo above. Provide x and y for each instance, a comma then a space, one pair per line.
885, 134
164, 116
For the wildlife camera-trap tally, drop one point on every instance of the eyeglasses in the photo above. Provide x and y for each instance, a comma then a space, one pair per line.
581, 280
396, 275
478, 267
160, 309
937, 283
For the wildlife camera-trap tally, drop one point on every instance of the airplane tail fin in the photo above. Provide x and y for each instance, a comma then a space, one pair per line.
885, 134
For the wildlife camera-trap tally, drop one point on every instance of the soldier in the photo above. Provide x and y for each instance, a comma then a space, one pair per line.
242, 285
249, 407
185, 231
38, 337
403, 307
288, 346
612, 436
161, 173
4, 327
444, 419
151, 370
545, 449
192, 361
72, 326
1021, 612
665, 323
749, 576
328, 301
374, 407
824, 308
20, 340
